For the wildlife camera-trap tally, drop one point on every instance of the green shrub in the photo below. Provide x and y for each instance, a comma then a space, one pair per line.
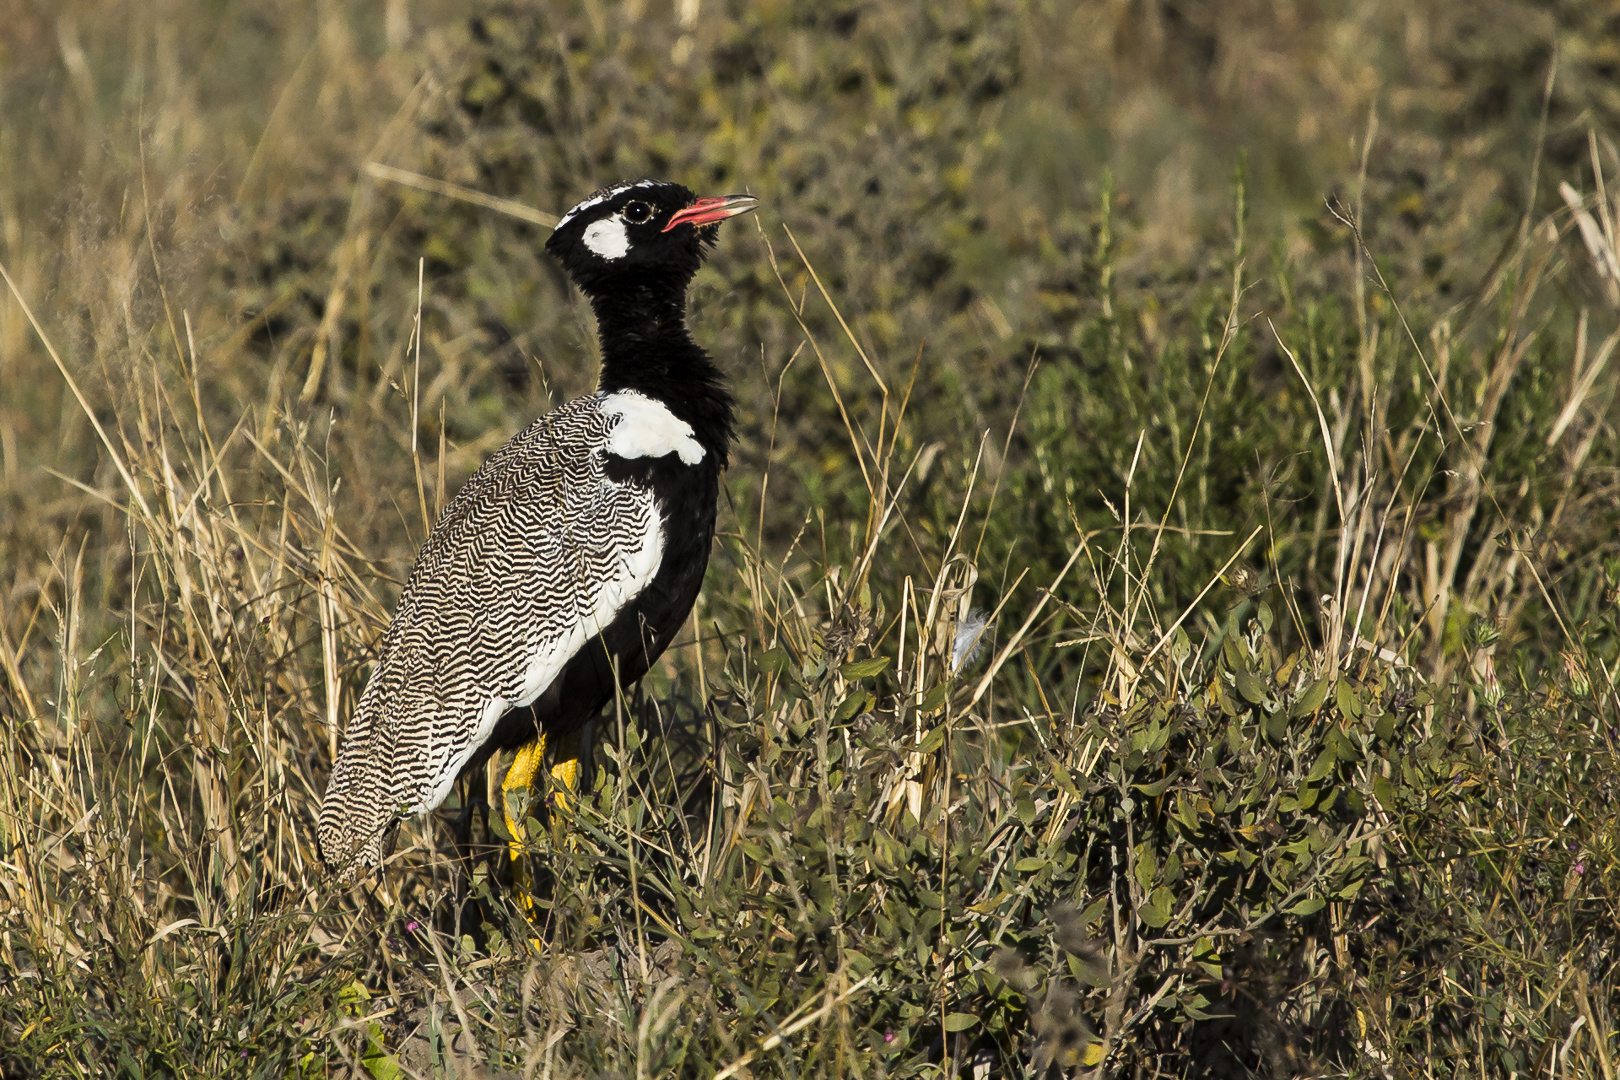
1243, 373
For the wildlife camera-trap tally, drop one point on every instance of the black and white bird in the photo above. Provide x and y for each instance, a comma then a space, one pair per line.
567, 563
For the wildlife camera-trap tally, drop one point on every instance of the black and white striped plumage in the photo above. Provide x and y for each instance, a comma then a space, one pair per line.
575, 551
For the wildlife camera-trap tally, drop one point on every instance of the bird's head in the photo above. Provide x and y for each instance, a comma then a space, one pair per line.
637, 228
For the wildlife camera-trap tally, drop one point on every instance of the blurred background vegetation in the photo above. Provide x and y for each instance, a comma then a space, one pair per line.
1248, 364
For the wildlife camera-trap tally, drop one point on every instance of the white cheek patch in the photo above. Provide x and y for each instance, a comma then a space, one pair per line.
608, 238
646, 428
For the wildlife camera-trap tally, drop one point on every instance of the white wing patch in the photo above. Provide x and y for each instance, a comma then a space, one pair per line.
646, 428
635, 572
608, 238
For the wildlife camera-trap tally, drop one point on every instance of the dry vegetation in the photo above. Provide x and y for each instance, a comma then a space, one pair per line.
1246, 372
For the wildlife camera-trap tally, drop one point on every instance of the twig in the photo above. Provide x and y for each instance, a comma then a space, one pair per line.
773, 1041
518, 210
1241, 548
90, 414
1029, 620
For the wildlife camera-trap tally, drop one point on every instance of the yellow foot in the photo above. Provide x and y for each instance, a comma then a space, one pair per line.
565, 778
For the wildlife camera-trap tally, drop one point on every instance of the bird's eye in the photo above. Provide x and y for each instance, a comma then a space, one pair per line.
637, 213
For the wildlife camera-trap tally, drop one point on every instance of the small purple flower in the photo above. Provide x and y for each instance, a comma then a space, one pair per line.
1580, 868
888, 1036
411, 925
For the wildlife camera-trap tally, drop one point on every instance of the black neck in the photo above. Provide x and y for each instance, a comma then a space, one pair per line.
647, 348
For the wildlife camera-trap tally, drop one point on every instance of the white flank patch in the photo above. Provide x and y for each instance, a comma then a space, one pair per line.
607, 238
635, 572
647, 428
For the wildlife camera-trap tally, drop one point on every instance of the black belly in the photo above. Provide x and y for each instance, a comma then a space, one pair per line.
642, 631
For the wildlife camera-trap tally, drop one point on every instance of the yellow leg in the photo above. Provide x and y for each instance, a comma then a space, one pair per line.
517, 793
517, 789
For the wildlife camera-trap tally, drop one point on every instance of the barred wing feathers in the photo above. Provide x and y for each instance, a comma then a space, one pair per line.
531, 560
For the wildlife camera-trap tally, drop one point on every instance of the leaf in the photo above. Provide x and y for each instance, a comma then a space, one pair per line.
853, 704
1184, 812
1311, 700
1029, 863
936, 697
864, 669
1086, 971
1064, 780
932, 741
1384, 792
1308, 907
1161, 735
1250, 685
1146, 864
1385, 728
1324, 765
1346, 746
1277, 727
1194, 1008
1348, 701
1026, 809
1093, 912
378, 1062
1151, 914
1156, 788
959, 1021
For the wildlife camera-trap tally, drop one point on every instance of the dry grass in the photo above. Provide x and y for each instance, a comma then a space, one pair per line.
1290, 746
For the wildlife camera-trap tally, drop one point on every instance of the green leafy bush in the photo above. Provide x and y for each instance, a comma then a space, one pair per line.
1165, 618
